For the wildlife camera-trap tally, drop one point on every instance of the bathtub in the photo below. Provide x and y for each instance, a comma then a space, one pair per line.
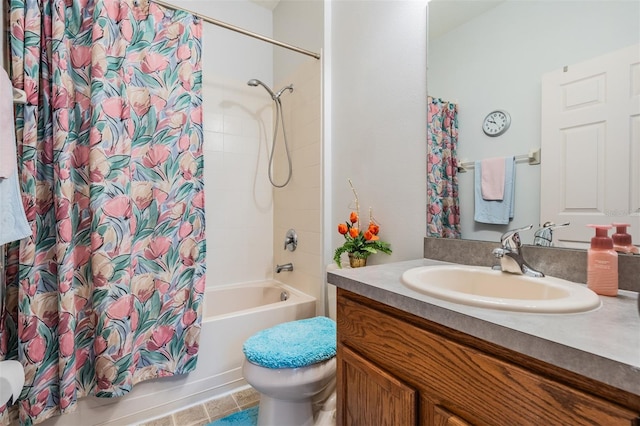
231, 314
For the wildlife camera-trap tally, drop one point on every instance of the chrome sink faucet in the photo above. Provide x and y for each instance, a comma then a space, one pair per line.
510, 254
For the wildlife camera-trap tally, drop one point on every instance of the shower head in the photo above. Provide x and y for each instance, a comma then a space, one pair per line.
289, 88
255, 82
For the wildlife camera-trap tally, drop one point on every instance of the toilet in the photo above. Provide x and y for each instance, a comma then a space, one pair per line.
293, 367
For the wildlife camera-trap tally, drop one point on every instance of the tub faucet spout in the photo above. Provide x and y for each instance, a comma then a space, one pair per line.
285, 267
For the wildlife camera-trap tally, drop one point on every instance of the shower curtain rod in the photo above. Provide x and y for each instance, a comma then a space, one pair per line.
238, 29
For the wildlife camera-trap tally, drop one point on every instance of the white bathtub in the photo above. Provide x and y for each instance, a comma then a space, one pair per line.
231, 314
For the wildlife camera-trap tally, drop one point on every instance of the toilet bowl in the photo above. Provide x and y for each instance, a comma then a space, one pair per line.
287, 394
293, 367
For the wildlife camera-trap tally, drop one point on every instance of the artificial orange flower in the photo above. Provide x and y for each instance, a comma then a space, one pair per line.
370, 236
359, 244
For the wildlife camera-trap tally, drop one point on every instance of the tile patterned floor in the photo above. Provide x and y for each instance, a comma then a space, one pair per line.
214, 409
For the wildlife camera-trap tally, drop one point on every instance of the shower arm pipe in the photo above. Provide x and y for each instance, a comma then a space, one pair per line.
238, 29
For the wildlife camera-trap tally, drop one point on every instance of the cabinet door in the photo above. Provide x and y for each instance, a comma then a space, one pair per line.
368, 395
442, 417
481, 387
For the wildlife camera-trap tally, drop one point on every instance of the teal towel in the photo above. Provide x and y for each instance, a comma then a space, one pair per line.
293, 344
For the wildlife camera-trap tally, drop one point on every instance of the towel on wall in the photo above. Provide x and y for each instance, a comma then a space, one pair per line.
493, 178
13, 221
497, 212
7, 132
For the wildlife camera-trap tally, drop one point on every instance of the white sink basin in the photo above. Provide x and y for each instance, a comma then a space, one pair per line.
486, 288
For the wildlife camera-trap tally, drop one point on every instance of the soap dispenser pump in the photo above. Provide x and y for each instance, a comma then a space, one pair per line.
602, 263
622, 240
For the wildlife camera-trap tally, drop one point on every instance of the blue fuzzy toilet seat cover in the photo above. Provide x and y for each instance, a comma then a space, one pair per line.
293, 344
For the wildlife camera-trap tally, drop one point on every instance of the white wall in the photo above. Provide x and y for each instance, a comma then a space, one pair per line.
299, 23
496, 61
378, 116
230, 54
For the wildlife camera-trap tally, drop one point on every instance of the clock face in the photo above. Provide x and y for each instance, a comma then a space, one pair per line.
496, 123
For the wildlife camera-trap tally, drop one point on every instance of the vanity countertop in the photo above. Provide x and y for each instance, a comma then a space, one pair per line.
602, 344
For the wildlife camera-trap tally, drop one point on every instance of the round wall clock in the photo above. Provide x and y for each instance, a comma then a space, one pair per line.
496, 123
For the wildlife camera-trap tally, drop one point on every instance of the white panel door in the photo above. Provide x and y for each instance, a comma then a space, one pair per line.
591, 146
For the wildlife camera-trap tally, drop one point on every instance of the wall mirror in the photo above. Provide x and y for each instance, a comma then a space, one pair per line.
491, 55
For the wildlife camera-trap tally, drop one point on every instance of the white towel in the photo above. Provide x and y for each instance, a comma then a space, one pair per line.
11, 381
13, 221
7, 132
497, 212
493, 178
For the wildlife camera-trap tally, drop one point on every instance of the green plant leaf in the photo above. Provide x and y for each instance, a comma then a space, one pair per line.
337, 254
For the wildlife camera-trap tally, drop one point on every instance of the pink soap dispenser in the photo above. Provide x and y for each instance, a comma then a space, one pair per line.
622, 240
602, 263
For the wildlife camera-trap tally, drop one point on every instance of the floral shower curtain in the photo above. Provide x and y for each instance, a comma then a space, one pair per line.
443, 208
108, 290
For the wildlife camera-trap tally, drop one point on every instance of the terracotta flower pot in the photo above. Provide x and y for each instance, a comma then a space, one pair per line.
356, 262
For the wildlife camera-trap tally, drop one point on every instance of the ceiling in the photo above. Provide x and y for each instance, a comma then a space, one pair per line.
269, 4
450, 13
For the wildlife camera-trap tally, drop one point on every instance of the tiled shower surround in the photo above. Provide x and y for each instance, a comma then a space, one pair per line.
298, 205
241, 204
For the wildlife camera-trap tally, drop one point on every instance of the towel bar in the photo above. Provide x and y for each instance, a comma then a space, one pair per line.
533, 158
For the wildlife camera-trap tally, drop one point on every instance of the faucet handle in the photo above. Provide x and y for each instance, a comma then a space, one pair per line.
511, 239
544, 235
291, 240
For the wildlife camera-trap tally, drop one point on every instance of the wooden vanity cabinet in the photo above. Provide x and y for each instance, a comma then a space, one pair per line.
397, 369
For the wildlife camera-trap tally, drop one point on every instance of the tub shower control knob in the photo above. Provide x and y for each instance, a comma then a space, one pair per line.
291, 240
